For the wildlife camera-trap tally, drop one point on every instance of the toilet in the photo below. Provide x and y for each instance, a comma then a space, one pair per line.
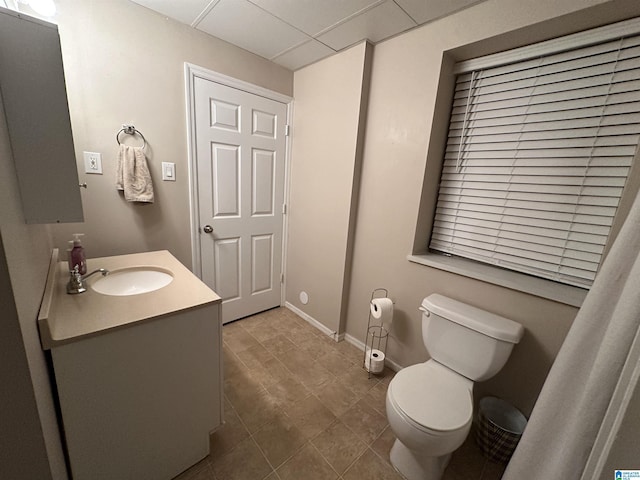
430, 405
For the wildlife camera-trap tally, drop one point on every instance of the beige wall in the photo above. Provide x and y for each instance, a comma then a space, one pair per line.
404, 82
30, 444
325, 169
125, 64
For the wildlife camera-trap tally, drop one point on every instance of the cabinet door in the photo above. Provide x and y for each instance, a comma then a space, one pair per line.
35, 103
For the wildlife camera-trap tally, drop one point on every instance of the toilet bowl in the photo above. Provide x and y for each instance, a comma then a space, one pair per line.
430, 405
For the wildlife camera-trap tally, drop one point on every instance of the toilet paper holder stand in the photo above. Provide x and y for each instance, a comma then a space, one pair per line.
377, 336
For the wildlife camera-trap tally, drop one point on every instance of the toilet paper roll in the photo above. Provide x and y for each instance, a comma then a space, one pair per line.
374, 361
382, 309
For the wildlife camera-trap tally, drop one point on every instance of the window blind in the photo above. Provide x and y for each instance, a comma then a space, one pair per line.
537, 156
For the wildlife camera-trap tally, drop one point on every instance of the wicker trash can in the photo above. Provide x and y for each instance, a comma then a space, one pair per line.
498, 429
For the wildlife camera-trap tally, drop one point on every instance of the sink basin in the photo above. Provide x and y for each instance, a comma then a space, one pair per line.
132, 281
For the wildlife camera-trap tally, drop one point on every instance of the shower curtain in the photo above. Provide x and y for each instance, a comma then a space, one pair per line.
582, 391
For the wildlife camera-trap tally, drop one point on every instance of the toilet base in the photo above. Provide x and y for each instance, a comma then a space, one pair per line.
414, 467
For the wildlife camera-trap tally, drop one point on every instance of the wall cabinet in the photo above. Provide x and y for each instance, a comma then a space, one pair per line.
35, 105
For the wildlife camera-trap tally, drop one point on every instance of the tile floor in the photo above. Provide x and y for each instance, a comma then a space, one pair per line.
299, 406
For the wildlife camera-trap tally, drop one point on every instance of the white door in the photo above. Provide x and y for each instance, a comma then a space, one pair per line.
240, 161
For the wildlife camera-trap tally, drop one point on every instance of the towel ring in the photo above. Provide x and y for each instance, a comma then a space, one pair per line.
130, 130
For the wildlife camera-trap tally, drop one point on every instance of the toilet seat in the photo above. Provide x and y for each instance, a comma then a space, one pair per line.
432, 398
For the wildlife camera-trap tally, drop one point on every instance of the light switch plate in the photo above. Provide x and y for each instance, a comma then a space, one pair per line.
92, 162
169, 171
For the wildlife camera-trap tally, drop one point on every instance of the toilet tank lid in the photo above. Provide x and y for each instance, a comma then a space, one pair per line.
474, 318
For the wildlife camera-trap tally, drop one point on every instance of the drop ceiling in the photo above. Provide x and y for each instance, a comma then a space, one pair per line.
296, 33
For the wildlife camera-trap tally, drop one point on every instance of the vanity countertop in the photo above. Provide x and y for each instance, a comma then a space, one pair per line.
65, 318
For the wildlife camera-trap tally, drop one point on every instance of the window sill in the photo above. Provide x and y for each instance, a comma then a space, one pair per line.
539, 287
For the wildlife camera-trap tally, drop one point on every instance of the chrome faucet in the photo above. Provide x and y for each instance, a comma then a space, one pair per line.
76, 284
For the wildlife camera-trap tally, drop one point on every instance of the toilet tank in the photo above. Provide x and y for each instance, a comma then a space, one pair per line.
473, 342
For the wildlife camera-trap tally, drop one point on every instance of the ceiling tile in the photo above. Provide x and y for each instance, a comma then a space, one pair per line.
185, 11
425, 10
303, 55
249, 27
376, 24
313, 16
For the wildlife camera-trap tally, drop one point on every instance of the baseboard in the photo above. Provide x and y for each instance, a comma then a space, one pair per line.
358, 344
338, 337
315, 323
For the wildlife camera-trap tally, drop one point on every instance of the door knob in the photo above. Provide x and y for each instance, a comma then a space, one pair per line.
208, 229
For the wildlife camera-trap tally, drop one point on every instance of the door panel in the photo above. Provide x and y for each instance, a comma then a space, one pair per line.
240, 155
227, 267
226, 180
263, 182
261, 263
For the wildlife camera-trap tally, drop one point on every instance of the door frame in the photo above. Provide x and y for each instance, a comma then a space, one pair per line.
192, 72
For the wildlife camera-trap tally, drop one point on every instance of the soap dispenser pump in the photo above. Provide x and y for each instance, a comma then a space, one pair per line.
77, 255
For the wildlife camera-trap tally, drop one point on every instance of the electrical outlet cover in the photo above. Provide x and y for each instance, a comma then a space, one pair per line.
92, 162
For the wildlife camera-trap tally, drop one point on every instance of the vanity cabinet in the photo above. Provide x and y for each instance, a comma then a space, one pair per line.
35, 106
138, 377
140, 402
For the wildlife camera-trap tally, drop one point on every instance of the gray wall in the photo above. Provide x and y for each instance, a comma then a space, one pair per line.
125, 64
400, 118
29, 440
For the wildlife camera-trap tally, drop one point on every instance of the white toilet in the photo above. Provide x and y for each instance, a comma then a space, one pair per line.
430, 405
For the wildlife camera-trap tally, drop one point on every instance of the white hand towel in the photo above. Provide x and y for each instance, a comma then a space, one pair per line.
132, 175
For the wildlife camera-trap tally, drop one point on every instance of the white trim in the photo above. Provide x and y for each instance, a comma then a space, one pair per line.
556, 45
340, 337
191, 73
287, 198
540, 287
315, 323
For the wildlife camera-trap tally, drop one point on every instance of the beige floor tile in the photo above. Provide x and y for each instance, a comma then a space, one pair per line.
278, 344
364, 421
295, 360
279, 439
245, 462
302, 335
386, 376
333, 361
377, 398
231, 363
254, 356
311, 416
317, 347
241, 389
270, 372
291, 410
337, 397
382, 445
466, 462
229, 435
354, 354
371, 467
357, 379
257, 411
307, 464
339, 446
239, 340
288, 392
315, 377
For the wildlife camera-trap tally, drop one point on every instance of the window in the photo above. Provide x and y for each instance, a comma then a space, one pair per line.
539, 149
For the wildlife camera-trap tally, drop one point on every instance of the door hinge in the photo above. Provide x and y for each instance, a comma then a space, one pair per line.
284, 208
287, 130
282, 278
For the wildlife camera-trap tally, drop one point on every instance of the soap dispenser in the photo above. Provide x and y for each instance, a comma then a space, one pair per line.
77, 255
